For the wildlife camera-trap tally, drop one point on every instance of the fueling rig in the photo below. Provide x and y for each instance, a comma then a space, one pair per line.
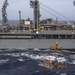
36, 27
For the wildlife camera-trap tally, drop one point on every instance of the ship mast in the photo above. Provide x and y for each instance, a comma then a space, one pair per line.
74, 3
35, 5
4, 14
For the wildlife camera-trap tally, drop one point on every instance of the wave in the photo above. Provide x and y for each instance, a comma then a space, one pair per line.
36, 49
72, 56
35, 57
73, 61
32, 56
38, 55
4, 61
13, 54
21, 59
63, 73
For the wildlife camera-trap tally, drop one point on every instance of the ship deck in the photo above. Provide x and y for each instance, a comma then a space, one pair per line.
56, 34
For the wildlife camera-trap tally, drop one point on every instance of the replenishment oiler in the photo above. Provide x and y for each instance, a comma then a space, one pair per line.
39, 34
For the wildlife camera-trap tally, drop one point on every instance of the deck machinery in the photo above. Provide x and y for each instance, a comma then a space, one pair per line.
4, 15
36, 27
35, 6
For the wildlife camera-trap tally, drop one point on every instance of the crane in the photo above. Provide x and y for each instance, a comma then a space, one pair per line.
35, 5
36, 27
4, 14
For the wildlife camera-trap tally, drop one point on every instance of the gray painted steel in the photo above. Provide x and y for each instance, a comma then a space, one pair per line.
42, 32
36, 43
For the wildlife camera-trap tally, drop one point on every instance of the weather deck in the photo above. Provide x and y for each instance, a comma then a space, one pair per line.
57, 34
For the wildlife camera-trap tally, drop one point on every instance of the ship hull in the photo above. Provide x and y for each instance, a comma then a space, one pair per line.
36, 43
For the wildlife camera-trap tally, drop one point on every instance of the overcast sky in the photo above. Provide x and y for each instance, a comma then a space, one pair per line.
65, 7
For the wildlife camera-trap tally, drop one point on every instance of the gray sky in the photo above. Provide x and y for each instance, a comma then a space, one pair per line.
64, 7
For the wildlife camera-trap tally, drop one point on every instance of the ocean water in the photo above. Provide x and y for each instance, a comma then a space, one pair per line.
12, 22
28, 62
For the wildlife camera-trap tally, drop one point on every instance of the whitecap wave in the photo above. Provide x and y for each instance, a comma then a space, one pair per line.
57, 54
36, 49
73, 61
21, 59
4, 61
14, 54
37, 57
63, 74
33, 56
66, 51
72, 56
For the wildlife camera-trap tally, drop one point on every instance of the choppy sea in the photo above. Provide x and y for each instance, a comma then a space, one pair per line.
28, 62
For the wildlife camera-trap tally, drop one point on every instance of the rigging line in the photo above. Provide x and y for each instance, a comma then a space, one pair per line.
51, 13
43, 16
55, 11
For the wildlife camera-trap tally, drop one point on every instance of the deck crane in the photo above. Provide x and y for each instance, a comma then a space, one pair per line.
36, 27
4, 15
35, 5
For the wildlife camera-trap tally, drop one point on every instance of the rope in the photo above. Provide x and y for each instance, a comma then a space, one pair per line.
55, 11
51, 13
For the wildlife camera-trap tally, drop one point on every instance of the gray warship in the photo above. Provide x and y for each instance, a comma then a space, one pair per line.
36, 35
